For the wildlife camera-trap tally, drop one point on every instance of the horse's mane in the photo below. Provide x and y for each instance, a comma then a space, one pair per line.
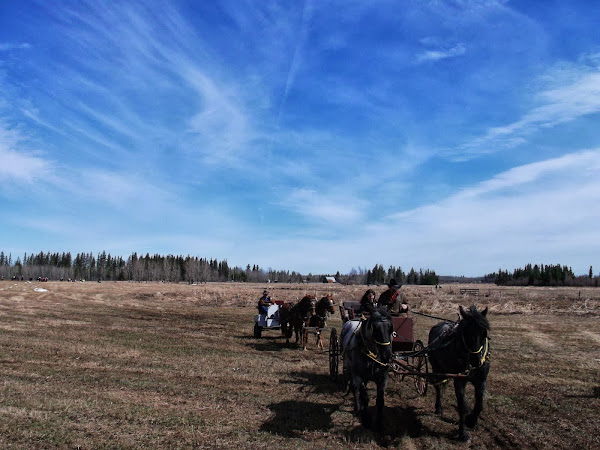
326, 299
476, 317
304, 305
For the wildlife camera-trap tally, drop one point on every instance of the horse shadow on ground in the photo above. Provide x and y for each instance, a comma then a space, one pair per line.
594, 394
314, 383
293, 418
398, 423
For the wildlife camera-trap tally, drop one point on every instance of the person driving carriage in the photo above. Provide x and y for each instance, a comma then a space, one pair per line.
264, 302
390, 296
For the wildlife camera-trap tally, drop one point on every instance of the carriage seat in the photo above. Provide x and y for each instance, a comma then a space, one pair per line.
350, 309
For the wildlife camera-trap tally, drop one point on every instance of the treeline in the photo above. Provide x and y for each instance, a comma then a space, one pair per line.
378, 275
541, 275
105, 267
171, 268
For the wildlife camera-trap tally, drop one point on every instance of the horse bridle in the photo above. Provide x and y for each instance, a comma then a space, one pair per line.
366, 350
327, 308
483, 349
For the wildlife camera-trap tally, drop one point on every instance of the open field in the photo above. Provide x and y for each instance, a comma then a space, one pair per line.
129, 365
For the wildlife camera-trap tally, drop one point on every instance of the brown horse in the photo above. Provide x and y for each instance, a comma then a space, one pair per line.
293, 317
318, 320
285, 312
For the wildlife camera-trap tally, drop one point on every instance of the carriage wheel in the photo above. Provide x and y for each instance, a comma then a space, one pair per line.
420, 364
334, 354
257, 331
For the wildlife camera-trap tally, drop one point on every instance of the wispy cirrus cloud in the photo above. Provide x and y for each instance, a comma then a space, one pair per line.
5, 46
21, 167
577, 97
324, 208
221, 127
436, 55
301, 124
18, 162
535, 212
296, 59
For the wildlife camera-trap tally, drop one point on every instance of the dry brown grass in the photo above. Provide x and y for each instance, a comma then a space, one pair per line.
129, 365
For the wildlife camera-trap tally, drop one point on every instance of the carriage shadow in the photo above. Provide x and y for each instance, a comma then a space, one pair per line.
315, 383
594, 394
293, 418
266, 344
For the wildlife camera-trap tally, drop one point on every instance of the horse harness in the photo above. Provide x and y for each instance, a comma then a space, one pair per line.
365, 333
483, 351
313, 306
451, 333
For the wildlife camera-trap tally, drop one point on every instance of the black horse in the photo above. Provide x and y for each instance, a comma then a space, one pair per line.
461, 348
294, 317
318, 320
367, 350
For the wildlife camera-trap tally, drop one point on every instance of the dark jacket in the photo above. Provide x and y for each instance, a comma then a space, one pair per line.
366, 306
388, 298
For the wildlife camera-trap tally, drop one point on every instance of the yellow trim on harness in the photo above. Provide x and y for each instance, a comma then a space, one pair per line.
373, 356
484, 354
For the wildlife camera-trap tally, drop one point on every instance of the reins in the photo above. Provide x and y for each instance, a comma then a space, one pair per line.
432, 317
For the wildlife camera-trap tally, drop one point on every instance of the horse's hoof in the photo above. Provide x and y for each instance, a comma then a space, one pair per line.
471, 421
365, 420
464, 437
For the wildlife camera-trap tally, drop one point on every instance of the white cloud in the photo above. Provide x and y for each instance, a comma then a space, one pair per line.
539, 211
5, 46
435, 55
577, 98
22, 167
323, 207
221, 126
18, 164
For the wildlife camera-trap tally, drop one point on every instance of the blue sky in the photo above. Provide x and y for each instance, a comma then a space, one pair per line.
315, 136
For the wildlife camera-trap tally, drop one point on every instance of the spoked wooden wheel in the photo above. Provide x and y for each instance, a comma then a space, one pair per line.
420, 364
334, 354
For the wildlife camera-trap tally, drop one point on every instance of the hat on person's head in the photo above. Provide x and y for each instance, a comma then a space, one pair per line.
265, 292
394, 284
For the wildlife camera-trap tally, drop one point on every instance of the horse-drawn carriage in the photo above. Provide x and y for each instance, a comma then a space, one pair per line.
309, 315
381, 344
268, 321
408, 357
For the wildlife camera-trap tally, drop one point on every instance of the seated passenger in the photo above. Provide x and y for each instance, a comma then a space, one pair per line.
367, 302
